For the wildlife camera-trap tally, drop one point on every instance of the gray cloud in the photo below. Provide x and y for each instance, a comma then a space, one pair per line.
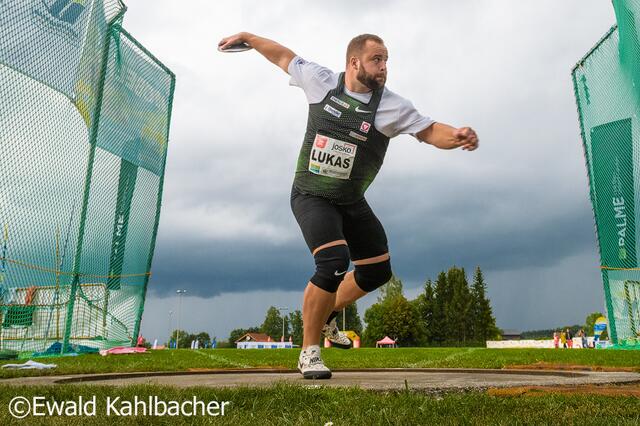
518, 207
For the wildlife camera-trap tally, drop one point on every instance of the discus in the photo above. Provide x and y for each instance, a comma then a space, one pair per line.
234, 48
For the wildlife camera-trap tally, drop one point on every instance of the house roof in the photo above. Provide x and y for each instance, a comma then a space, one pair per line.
254, 337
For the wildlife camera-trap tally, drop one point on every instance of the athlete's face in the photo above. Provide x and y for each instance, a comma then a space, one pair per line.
372, 65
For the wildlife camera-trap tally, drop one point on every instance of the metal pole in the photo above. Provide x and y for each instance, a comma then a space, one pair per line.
178, 320
180, 293
93, 137
170, 325
282, 309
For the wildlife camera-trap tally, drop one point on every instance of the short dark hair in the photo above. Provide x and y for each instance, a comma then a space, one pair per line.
357, 44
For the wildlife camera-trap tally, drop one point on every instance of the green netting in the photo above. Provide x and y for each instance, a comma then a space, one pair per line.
607, 89
84, 122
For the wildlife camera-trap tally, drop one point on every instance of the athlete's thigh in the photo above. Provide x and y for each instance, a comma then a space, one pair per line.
319, 220
363, 231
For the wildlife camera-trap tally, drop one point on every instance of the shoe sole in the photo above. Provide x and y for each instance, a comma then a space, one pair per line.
318, 375
340, 345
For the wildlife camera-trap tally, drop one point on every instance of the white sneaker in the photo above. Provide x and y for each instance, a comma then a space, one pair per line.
336, 337
310, 364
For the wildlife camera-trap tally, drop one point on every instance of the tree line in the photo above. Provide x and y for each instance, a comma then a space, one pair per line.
185, 338
272, 325
448, 312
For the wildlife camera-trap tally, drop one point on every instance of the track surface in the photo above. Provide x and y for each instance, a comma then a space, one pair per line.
374, 379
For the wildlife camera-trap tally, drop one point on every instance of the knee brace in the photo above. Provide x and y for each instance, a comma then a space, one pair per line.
370, 277
331, 265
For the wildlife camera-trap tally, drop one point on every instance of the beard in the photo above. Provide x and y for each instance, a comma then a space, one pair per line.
370, 80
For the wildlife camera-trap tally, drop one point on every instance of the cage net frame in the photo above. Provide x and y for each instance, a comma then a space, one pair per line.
606, 84
85, 111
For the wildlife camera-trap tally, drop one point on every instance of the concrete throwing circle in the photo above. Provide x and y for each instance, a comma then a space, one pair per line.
374, 379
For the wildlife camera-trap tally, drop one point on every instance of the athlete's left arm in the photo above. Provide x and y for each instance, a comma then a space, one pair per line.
444, 136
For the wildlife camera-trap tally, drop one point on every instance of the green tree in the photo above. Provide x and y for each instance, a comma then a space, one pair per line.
239, 332
443, 294
441, 302
272, 325
393, 315
184, 338
202, 338
401, 321
374, 317
391, 289
457, 312
424, 304
297, 330
352, 319
484, 324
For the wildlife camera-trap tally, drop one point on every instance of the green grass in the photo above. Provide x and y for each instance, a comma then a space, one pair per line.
295, 405
301, 405
184, 359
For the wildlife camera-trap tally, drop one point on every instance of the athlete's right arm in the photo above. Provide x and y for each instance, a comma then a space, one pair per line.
274, 52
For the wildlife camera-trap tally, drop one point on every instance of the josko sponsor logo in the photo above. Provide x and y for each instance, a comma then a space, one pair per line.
344, 147
364, 127
331, 110
340, 102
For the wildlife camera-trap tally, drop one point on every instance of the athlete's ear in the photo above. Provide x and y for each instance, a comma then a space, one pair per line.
354, 63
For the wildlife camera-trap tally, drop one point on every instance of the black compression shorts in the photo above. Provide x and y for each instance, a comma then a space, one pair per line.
322, 221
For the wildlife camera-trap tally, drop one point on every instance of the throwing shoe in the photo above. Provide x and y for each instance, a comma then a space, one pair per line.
310, 364
335, 336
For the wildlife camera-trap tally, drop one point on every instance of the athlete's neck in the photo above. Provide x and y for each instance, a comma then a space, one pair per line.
352, 84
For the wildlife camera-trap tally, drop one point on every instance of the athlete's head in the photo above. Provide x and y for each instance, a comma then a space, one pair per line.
367, 57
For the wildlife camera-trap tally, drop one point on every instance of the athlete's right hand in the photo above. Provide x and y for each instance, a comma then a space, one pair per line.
466, 138
233, 40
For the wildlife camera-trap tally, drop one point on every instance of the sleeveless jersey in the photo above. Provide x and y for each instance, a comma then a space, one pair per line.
342, 151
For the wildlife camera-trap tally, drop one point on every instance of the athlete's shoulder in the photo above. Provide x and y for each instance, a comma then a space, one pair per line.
316, 80
300, 66
397, 115
394, 100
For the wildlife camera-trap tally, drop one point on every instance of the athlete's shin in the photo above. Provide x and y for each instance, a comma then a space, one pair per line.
348, 292
316, 307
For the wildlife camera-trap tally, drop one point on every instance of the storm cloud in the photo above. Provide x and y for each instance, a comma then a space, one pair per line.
518, 207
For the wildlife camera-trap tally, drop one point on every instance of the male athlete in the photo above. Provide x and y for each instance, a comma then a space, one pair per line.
352, 116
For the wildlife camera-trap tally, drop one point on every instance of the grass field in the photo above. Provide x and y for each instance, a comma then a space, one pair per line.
185, 359
293, 405
301, 405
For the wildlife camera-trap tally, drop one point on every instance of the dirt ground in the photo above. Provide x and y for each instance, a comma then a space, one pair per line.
570, 367
602, 390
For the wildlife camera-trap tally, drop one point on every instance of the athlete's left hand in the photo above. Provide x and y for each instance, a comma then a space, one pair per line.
466, 138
